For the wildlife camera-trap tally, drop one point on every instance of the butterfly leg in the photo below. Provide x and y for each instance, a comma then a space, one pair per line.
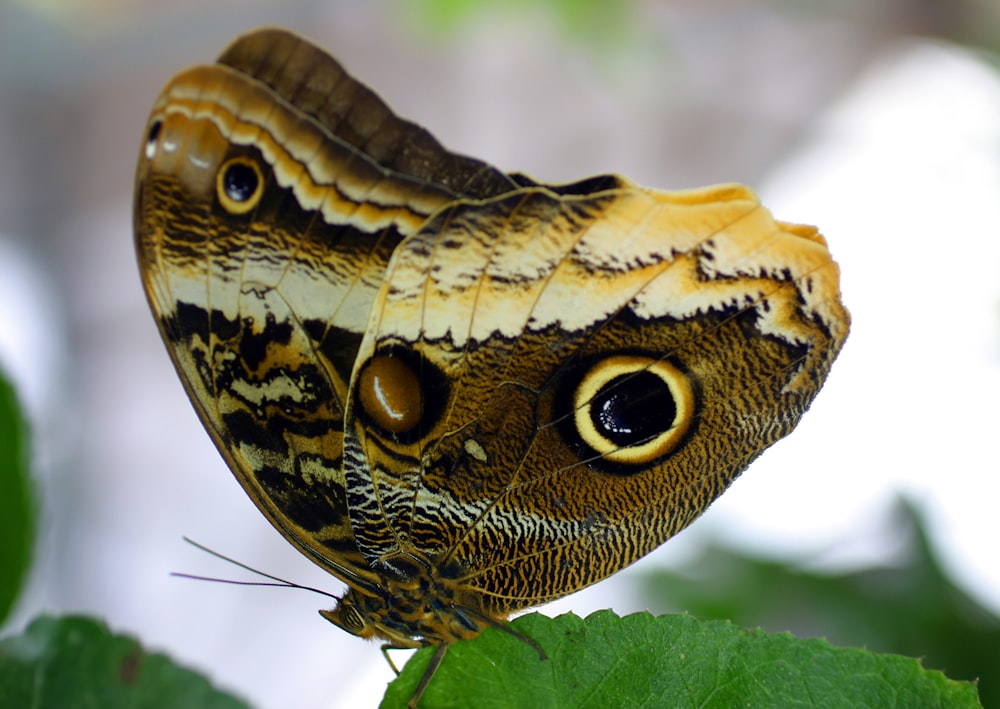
385, 653
435, 662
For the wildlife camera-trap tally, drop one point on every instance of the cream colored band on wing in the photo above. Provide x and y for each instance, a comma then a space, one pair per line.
661, 254
344, 185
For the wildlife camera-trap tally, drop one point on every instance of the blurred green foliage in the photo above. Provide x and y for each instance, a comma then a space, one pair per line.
77, 662
601, 22
610, 22
912, 609
17, 508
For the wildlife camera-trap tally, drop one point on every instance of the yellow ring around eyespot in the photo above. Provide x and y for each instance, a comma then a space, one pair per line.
228, 203
607, 370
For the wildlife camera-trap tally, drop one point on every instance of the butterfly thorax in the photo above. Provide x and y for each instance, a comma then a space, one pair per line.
414, 612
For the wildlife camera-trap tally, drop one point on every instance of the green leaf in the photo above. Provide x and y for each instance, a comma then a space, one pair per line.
673, 661
589, 21
911, 608
17, 511
77, 662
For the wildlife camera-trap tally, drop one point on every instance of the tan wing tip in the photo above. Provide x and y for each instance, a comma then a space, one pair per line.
725, 192
806, 231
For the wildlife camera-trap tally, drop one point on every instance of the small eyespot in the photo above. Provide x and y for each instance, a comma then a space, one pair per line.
389, 392
633, 410
153, 138
239, 185
399, 394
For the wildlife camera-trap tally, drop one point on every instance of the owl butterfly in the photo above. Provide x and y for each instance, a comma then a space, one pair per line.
461, 392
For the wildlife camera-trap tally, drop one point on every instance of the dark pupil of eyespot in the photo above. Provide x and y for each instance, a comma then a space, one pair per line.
154, 132
240, 182
633, 408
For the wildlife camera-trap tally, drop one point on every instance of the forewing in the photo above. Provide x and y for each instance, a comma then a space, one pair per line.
270, 194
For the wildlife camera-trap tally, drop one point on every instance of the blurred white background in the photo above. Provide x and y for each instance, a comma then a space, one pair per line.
861, 119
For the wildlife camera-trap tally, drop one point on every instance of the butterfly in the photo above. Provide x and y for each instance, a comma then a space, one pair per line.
462, 392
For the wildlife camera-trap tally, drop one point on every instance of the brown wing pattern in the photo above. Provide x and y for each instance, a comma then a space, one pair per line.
263, 297
512, 305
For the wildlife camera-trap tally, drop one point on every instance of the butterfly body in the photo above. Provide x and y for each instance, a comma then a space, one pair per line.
462, 392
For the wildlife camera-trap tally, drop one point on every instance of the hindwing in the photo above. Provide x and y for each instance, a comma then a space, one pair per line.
576, 376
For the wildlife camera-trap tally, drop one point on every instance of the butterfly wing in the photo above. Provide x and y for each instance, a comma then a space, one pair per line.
555, 382
419, 367
270, 194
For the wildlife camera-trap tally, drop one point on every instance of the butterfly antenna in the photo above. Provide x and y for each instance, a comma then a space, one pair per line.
277, 581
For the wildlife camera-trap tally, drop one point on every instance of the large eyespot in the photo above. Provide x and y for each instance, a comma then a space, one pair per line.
153, 138
400, 393
632, 409
239, 184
